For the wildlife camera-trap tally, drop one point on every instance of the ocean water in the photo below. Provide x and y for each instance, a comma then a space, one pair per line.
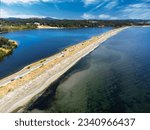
113, 78
38, 44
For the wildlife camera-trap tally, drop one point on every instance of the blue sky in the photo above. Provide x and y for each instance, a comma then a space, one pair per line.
76, 9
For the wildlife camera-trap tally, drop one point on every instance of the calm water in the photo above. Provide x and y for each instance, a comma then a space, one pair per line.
37, 44
113, 78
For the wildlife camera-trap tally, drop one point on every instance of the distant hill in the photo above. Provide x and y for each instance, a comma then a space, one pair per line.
14, 18
48, 18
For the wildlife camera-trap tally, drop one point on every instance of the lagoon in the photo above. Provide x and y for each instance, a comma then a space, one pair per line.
37, 44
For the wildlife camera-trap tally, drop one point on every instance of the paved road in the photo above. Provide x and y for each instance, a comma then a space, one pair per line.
26, 71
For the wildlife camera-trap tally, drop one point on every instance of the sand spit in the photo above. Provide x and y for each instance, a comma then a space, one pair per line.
17, 90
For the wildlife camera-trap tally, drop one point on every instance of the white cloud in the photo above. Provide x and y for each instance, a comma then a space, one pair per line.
105, 16
28, 16
112, 4
88, 2
101, 16
99, 5
140, 5
7, 14
56, 7
55, 0
3, 13
88, 16
29, 1
18, 1
137, 11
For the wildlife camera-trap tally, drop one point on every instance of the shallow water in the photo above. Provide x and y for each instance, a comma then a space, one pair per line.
38, 44
113, 78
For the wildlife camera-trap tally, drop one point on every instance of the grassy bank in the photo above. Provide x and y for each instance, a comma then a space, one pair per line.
6, 47
9, 28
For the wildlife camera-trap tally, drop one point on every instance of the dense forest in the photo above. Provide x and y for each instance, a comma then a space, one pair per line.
11, 24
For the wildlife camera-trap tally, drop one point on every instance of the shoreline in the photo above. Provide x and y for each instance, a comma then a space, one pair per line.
7, 51
142, 26
49, 27
23, 86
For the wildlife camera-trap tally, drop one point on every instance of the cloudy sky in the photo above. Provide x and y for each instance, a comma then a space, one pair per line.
76, 9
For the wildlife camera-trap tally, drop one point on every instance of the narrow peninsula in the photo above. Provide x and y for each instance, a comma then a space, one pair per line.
19, 89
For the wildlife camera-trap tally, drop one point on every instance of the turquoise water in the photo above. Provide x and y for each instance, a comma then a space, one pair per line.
37, 44
113, 78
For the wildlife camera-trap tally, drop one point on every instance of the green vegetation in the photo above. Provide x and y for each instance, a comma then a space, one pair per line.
12, 24
28, 67
2, 54
9, 28
6, 47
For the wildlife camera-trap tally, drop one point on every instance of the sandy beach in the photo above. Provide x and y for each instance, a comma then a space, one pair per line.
48, 27
18, 89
